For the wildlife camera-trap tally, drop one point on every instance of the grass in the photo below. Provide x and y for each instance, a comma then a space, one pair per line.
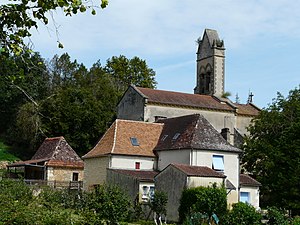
4, 153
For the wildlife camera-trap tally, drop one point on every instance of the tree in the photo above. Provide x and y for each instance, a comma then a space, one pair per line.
19, 17
158, 205
272, 151
204, 200
130, 71
242, 213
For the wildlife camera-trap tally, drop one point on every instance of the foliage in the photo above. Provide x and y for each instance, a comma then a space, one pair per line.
130, 71
272, 151
17, 18
205, 200
109, 204
19, 205
159, 202
276, 216
242, 213
5, 155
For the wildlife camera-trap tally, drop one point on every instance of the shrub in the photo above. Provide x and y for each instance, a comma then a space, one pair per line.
242, 213
109, 203
203, 200
277, 216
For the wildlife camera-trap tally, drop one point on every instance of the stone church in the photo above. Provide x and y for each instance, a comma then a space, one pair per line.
230, 119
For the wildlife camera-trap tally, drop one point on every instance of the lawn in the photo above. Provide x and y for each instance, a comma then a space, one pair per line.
4, 153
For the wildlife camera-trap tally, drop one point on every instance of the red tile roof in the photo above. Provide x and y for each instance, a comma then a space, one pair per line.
246, 180
198, 171
139, 174
117, 139
196, 101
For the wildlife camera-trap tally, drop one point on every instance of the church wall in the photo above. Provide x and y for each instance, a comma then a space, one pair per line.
218, 119
131, 106
242, 123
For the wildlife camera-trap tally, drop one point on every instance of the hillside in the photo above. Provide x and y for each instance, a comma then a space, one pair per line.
4, 153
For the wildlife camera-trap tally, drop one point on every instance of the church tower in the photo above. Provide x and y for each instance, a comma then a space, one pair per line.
210, 64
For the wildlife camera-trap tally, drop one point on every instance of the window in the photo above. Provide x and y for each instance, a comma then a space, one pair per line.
134, 141
75, 177
176, 136
164, 137
137, 165
245, 197
218, 162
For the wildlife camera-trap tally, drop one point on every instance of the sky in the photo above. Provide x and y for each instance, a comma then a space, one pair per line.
261, 37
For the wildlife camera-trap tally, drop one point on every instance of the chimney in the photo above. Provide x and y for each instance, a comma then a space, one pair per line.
226, 134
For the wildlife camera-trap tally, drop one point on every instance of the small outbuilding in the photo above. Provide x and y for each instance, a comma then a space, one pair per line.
55, 163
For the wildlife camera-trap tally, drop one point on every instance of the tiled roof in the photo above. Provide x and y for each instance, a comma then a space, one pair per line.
246, 180
196, 101
139, 174
55, 152
117, 139
184, 99
198, 171
195, 132
247, 109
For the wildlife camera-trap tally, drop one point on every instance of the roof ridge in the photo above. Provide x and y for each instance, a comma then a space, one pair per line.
56, 147
115, 137
135, 121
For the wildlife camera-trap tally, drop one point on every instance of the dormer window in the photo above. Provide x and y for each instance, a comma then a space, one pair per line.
164, 137
134, 141
176, 136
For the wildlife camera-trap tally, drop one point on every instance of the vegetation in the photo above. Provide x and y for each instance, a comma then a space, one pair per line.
158, 205
19, 205
63, 98
4, 153
204, 200
272, 152
18, 18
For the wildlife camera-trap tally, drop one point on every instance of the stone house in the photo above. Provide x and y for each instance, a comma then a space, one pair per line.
55, 162
131, 153
126, 145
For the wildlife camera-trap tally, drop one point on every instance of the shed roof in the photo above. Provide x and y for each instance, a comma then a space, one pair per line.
194, 132
246, 180
198, 171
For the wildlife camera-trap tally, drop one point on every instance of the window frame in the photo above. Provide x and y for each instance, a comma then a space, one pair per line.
218, 165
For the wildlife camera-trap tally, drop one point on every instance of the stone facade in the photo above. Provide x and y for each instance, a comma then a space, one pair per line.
210, 64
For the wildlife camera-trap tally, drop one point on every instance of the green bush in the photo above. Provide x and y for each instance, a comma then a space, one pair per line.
203, 200
109, 203
242, 213
276, 216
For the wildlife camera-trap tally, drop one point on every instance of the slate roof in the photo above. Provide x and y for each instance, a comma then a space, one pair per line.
198, 171
195, 132
212, 36
139, 174
117, 139
54, 152
246, 180
195, 101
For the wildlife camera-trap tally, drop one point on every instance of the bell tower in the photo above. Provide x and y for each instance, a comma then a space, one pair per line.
210, 64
